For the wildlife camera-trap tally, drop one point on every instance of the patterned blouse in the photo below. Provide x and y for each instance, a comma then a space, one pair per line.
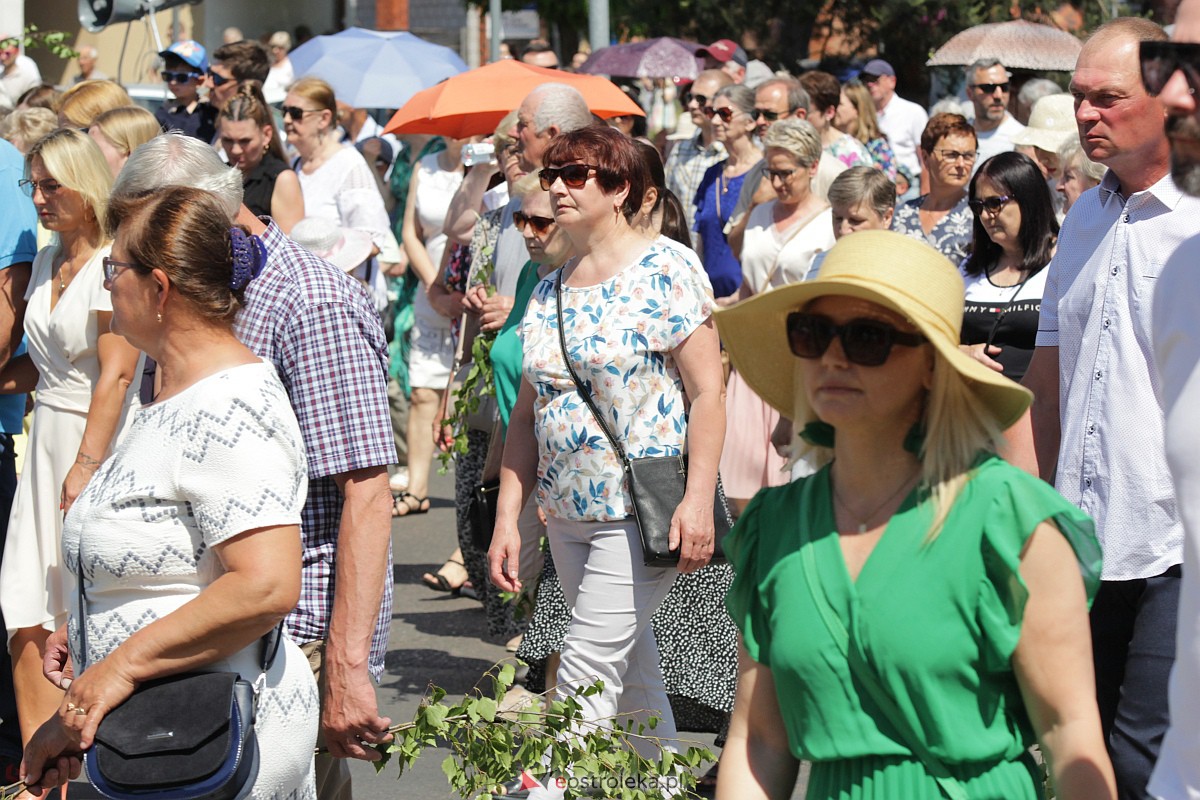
620, 334
882, 155
951, 236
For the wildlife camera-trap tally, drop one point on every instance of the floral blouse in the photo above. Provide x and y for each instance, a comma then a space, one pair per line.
951, 236
620, 334
882, 155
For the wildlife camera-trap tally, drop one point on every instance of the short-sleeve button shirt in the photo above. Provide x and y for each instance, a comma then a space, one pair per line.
320, 330
1097, 311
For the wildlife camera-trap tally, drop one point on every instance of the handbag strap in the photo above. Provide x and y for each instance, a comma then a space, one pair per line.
579, 387
270, 640
796, 230
866, 675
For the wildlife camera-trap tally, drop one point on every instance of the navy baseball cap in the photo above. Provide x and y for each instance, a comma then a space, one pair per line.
877, 66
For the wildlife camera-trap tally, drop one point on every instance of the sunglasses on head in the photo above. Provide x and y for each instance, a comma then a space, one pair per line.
574, 176
992, 205
218, 80
724, 113
866, 342
1160, 60
539, 224
990, 88
701, 100
179, 77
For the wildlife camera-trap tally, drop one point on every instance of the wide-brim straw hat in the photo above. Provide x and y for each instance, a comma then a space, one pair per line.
891, 269
1051, 123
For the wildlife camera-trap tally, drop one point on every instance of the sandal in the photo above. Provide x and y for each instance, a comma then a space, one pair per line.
403, 500
440, 583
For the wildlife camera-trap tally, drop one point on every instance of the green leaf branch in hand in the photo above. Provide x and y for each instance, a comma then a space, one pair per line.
488, 748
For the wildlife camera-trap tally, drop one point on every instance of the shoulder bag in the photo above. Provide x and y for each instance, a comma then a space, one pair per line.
182, 737
656, 484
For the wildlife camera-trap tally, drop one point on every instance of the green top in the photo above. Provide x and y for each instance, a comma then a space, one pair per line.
507, 350
937, 622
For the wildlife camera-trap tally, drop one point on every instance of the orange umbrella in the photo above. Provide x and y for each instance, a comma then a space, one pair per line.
474, 102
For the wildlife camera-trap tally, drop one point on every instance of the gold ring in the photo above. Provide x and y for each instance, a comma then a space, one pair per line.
71, 706
80, 711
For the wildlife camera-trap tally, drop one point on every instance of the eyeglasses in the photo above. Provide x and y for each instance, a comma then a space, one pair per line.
218, 80
1160, 60
574, 176
296, 113
990, 88
701, 100
724, 113
769, 116
179, 77
112, 268
780, 174
539, 224
866, 342
49, 186
950, 156
992, 205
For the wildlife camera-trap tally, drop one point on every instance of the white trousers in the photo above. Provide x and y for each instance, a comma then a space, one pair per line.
612, 596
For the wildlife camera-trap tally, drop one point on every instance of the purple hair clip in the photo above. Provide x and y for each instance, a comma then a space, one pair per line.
249, 256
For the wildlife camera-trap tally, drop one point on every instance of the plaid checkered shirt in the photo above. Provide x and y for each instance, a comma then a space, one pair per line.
320, 330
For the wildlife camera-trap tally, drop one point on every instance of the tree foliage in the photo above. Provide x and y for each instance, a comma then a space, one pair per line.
54, 41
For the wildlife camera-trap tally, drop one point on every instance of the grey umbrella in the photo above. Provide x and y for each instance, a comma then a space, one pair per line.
1020, 43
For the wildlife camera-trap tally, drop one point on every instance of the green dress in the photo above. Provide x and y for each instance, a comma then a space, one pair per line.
937, 622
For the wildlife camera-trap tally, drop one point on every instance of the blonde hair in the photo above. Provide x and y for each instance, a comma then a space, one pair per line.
127, 127
957, 428
1072, 153
25, 126
75, 161
866, 127
501, 137
319, 93
82, 103
526, 185
797, 137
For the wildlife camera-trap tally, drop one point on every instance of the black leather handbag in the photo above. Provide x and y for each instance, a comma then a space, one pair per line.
183, 737
656, 484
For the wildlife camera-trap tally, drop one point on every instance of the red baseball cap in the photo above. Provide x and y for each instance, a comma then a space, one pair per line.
725, 50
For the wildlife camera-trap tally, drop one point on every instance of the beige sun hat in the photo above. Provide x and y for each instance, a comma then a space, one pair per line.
345, 248
1051, 123
891, 269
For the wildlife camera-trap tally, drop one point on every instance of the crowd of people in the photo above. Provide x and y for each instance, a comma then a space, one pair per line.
961, 335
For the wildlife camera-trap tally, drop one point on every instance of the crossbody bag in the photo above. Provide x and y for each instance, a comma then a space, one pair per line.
656, 483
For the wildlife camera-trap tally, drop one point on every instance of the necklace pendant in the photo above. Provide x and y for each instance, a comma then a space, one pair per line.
862, 528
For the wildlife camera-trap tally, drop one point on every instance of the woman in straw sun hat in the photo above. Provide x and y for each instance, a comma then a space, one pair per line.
915, 613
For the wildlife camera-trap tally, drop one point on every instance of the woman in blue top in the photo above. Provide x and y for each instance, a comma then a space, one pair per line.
732, 115
913, 615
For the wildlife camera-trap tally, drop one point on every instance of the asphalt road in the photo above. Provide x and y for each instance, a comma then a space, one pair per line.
435, 638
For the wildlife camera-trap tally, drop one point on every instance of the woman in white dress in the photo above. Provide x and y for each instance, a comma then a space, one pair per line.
83, 375
435, 179
187, 540
782, 237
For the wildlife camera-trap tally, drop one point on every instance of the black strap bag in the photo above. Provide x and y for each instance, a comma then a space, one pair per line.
656, 484
183, 737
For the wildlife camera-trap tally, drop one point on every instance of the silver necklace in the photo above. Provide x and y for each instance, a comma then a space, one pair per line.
861, 523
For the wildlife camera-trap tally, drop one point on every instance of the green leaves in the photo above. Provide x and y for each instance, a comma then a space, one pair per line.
551, 742
54, 41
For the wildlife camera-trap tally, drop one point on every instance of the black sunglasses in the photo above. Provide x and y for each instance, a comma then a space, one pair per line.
1160, 60
296, 113
218, 80
574, 176
990, 88
179, 77
868, 77
724, 113
769, 116
993, 205
539, 224
866, 342
701, 100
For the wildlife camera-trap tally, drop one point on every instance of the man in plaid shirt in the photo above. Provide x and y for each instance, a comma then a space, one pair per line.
690, 158
320, 330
